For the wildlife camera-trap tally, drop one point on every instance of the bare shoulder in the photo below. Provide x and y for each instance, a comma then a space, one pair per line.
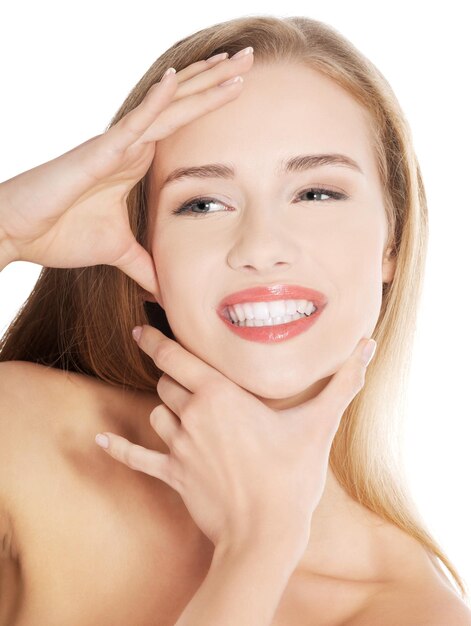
431, 604
51, 416
48, 401
24, 382
62, 498
27, 381
17, 383
36, 406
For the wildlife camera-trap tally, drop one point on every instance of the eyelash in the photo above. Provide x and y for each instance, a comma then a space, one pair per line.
185, 208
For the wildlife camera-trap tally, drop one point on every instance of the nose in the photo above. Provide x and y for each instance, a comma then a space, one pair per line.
262, 245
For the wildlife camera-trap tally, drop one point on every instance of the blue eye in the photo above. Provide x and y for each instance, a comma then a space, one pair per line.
202, 201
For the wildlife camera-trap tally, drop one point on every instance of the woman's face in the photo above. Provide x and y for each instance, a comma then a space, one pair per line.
260, 229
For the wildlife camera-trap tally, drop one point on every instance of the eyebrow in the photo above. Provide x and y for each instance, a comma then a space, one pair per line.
298, 163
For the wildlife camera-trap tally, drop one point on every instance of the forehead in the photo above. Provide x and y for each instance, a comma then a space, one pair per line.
282, 109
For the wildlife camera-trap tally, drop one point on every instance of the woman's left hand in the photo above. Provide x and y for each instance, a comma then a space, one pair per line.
239, 466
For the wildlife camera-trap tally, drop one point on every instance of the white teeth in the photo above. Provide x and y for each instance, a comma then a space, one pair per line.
268, 322
260, 310
271, 310
239, 311
309, 308
277, 308
272, 321
301, 305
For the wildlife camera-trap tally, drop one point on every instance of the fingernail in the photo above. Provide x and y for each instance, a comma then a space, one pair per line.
242, 53
368, 351
171, 70
236, 79
217, 57
102, 441
137, 332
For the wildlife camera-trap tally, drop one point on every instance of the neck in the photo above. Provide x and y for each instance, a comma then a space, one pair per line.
346, 541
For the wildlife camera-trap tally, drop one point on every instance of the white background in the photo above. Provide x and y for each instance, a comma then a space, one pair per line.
66, 68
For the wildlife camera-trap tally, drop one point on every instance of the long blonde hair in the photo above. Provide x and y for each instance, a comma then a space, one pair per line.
80, 319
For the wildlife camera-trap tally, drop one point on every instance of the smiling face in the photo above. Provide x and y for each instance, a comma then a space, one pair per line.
263, 227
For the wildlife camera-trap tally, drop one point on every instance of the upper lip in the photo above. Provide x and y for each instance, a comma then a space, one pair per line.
274, 292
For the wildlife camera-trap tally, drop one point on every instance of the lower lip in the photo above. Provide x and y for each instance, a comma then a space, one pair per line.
277, 333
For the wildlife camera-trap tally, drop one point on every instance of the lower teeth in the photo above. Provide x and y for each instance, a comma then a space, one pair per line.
264, 322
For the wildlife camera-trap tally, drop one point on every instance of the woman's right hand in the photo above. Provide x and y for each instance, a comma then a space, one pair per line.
71, 211
246, 472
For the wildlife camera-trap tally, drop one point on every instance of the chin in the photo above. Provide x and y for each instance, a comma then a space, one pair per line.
272, 386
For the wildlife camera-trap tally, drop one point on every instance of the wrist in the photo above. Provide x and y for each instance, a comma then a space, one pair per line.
244, 584
285, 547
7, 252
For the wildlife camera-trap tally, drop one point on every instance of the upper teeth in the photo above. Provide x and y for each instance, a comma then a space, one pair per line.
269, 310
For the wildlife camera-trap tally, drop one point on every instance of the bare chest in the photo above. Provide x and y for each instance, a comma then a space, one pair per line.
102, 544
110, 554
104, 556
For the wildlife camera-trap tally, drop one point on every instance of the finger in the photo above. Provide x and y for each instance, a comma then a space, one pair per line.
199, 66
137, 263
330, 404
345, 384
199, 95
174, 395
132, 126
165, 423
185, 110
139, 458
213, 76
178, 363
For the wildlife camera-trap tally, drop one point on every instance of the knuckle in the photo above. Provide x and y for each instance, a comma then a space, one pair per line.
361, 378
166, 128
172, 475
162, 382
162, 352
189, 416
215, 391
131, 456
356, 378
189, 412
180, 445
166, 121
155, 416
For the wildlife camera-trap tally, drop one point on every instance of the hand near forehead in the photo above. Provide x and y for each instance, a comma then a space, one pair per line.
240, 467
72, 211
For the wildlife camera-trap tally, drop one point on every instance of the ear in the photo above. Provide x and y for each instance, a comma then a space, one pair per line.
389, 265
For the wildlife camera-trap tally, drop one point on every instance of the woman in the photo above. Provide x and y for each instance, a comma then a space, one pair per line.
277, 500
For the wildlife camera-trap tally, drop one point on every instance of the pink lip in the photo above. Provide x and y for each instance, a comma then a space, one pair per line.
278, 332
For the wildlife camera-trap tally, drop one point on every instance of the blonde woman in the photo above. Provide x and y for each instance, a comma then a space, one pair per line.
259, 232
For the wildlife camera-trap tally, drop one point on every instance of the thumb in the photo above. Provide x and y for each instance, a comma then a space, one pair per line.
326, 409
137, 263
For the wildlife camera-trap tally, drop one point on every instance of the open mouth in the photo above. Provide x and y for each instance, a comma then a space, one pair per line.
271, 313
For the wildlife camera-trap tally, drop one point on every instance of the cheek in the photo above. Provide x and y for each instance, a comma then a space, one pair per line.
186, 274
349, 256
360, 283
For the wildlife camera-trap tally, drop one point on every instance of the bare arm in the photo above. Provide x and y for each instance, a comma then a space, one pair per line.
7, 253
242, 586
3, 256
